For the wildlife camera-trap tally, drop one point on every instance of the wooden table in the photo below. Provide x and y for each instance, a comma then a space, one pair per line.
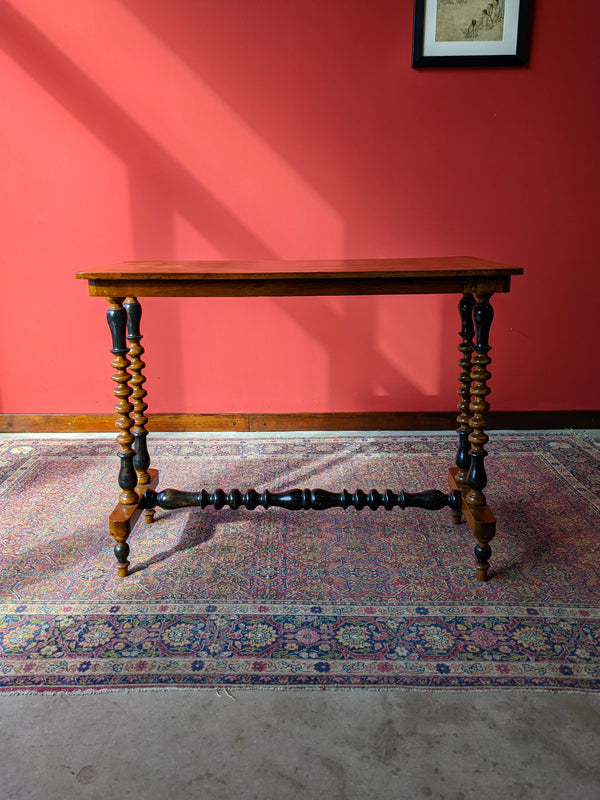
474, 279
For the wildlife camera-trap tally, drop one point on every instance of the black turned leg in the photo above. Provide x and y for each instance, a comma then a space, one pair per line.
483, 554
117, 322
466, 333
141, 460
477, 478
121, 551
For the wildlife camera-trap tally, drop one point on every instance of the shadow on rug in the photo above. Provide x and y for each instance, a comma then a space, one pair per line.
279, 598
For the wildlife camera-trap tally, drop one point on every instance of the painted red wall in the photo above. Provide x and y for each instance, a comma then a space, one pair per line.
139, 129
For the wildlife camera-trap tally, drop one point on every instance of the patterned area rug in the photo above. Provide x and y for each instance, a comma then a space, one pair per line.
280, 598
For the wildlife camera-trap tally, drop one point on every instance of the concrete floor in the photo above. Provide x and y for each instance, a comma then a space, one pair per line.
274, 745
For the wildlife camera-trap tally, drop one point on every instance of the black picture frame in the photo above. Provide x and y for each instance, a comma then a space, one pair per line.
469, 51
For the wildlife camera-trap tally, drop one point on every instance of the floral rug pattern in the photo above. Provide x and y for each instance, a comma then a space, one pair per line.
279, 598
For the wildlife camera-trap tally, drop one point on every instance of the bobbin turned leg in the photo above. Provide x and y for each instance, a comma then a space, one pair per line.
477, 478
463, 456
117, 322
135, 476
141, 460
469, 476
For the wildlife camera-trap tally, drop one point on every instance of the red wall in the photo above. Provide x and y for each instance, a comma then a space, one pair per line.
139, 129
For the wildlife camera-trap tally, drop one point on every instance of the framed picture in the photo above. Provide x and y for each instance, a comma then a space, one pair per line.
470, 33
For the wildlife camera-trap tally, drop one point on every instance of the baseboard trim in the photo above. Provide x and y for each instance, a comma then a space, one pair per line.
339, 421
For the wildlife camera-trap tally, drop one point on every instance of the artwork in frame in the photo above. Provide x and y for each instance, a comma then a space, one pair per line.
470, 33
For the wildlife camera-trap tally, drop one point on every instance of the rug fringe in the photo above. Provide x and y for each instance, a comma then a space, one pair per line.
222, 691
584, 436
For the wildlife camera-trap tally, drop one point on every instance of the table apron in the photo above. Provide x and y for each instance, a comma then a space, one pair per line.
304, 287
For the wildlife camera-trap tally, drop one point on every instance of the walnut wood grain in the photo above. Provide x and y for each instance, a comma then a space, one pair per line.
443, 266
299, 278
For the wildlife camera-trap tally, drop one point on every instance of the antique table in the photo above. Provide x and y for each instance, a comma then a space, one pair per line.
474, 279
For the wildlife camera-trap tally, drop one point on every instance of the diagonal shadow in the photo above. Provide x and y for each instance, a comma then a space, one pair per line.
119, 132
146, 159
358, 358
148, 162
198, 531
202, 524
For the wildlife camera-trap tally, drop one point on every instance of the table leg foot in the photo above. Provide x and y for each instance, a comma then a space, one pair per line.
482, 554
482, 523
457, 518
122, 521
122, 552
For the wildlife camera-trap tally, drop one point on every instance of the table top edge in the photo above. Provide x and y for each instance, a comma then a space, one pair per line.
341, 269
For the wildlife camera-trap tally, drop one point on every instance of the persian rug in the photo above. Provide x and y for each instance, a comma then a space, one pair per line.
283, 598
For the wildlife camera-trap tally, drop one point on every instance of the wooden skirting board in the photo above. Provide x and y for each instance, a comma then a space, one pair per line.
354, 421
